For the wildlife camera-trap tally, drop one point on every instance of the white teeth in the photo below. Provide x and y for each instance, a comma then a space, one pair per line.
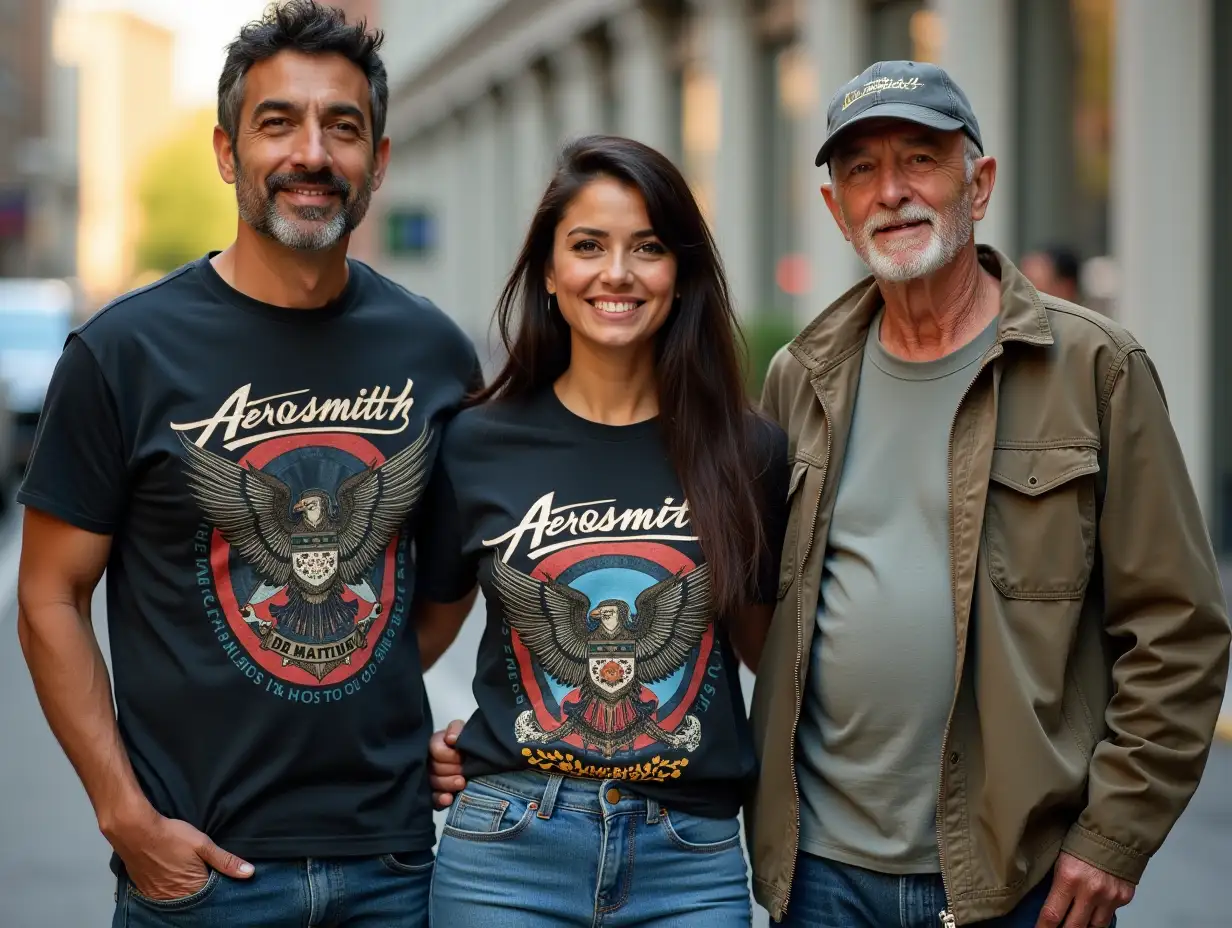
614, 308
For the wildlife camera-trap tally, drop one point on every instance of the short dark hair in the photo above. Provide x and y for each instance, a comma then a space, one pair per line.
312, 28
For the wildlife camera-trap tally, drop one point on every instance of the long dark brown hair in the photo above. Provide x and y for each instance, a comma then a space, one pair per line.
707, 421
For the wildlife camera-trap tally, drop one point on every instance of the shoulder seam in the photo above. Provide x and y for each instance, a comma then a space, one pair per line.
1114, 371
1120, 336
124, 297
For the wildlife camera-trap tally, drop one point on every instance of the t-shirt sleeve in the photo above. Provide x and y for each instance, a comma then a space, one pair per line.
77, 470
443, 573
772, 482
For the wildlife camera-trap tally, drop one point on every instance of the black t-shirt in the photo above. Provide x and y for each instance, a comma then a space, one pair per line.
261, 471
601, 657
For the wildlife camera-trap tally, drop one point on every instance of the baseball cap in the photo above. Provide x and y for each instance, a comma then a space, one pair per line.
911, 90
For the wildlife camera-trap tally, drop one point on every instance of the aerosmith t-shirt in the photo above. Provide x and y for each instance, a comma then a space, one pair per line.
260, 470
601, 657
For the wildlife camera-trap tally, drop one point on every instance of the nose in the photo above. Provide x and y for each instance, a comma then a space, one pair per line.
893, 191
616, 271
311, 153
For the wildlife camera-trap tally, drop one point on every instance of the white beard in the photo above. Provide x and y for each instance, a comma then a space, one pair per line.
948, 233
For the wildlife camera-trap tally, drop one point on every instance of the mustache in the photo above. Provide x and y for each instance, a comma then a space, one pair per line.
322, 178
912, 212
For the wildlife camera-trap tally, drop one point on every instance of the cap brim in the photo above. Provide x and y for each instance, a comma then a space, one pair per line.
908, 112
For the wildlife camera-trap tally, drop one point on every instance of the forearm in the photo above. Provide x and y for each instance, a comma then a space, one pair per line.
438, 624
74, 690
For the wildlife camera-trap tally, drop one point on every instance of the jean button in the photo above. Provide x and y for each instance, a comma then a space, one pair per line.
613, 795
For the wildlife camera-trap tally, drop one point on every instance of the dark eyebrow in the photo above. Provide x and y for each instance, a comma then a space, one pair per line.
346, 109
275, 106
286, 106
599, 233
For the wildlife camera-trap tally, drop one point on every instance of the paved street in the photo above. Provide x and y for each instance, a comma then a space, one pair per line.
53, 863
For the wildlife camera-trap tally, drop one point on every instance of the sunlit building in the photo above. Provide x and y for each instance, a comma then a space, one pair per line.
1102, 114
124, 109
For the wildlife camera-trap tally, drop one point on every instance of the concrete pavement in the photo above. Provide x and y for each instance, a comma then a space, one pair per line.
53, 862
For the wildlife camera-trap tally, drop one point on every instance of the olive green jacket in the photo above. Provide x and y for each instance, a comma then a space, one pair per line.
1091, 629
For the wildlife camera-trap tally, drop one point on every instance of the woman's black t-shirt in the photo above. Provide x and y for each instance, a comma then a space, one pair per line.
601, 657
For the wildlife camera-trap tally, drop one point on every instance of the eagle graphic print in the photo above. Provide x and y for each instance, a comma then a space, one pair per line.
612, 641
306, 541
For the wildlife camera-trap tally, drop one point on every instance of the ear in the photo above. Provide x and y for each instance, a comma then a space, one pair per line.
983, 182
831, 198
380, 163
549, 280
224, 154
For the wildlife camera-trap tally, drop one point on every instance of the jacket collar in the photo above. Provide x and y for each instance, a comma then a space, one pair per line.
843, 325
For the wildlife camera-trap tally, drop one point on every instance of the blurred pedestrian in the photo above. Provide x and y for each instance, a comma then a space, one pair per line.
615, 495
1001, 643
242, 446
1053, 270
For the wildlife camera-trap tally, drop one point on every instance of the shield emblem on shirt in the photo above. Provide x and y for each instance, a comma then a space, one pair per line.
314, 558
611, 665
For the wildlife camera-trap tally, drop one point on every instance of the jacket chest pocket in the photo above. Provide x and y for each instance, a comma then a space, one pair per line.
1039, 521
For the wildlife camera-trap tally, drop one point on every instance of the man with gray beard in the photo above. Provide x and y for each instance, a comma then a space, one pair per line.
265, 760
993, 676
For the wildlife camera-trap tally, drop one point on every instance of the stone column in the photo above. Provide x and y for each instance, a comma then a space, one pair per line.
643, 79
733, 61
485, 212
578, 86
531, 153
835, 36
977, 50
1162, 208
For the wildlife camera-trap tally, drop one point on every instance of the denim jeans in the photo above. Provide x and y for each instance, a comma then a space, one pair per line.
526, 849
827, 894
343, 892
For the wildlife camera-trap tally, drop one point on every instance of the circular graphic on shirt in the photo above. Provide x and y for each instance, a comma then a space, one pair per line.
612, 642
306, 551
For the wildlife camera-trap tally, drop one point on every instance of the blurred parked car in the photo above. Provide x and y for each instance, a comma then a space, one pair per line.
8, 448
35, 319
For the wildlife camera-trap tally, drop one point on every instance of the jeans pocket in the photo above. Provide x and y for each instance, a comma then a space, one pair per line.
181, 903
410, 866
700, 834
483, 814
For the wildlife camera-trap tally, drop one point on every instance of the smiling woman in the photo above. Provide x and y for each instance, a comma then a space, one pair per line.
622, 507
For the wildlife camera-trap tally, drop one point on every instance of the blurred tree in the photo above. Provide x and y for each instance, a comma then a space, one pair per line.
764, 334
186, 208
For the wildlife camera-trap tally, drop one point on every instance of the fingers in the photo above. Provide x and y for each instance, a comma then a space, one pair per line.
441, 746
442, 800
1080, 911
224, 862
1102, 916
1056, 905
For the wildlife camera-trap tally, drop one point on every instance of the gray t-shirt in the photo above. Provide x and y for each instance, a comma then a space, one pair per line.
881, 674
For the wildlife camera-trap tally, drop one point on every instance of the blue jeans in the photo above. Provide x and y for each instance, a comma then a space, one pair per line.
527, 849
827, 894
342, 892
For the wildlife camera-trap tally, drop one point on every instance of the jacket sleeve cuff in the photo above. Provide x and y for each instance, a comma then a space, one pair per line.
1105, 854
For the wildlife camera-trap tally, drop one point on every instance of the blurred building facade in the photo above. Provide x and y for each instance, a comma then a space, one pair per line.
1105, 117
38, 196
124, 109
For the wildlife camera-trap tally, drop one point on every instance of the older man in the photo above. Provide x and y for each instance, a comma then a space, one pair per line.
1001, 640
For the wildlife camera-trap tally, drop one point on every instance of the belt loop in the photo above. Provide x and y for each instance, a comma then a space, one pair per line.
652, 811
548, 803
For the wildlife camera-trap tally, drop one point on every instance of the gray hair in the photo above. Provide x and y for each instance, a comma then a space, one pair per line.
312, 28
971, 154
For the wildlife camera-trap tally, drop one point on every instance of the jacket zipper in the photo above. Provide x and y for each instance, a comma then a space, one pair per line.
795, 783
946, 915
